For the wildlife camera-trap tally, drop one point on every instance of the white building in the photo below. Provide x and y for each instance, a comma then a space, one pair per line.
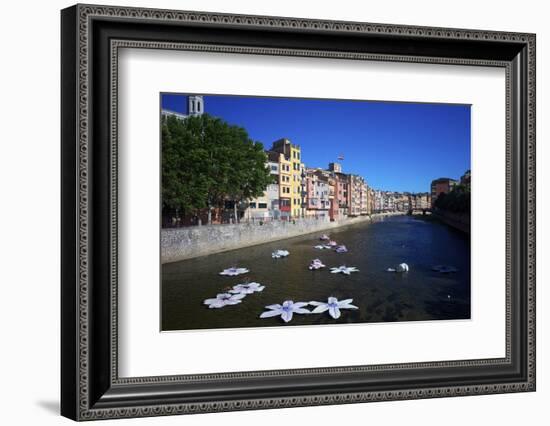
266, 207
195, 106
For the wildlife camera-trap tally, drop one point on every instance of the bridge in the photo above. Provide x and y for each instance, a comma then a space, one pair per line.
424, 211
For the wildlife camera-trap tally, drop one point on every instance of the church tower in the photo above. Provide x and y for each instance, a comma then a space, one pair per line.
195, 105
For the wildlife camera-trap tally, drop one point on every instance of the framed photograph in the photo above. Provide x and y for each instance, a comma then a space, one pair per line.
263, 212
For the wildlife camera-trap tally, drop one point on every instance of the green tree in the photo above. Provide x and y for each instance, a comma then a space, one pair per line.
457, 200
206, 161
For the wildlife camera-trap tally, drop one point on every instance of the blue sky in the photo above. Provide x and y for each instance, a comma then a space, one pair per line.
394, 146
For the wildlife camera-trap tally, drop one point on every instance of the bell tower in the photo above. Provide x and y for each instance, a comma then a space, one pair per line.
195, 105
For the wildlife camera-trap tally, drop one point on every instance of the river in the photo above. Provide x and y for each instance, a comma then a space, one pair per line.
420, 294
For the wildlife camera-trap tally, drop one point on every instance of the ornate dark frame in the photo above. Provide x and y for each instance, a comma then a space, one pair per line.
91, 37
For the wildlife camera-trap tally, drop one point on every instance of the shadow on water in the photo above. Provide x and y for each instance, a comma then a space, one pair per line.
420, 294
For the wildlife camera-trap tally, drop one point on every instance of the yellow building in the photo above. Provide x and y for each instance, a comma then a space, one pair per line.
290, 177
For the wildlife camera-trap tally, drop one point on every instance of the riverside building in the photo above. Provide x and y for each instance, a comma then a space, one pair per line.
290, 178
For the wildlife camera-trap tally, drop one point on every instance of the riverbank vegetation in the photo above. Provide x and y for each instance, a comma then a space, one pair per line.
456, 201
205, 162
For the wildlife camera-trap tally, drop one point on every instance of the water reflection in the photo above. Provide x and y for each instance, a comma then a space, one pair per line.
420, 294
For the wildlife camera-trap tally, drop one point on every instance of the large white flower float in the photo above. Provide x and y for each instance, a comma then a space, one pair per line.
332, 243
324, 237
224, 299
246, 288
333, 306
286, 310
341, 249
233, 271
344, 270
277, 254
316, 264
322, 247
402, 267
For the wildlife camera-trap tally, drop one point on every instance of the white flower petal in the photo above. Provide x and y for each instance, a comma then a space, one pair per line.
347, 306
302, 311
332, 300
334, 312
286, 316
210, 301
344, 302
320, 309
268, 314
237, 296
276, 306
299, 304
314, 303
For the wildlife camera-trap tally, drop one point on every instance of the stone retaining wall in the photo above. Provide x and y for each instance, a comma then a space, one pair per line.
186, 243
460, 221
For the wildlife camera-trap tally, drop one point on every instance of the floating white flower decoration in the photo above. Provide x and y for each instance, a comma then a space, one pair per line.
341, 249
277, 254
233, 271
344, 270
316, 264
247, 288
402, 267
323, 247
324, 237
332, 243
286, 310
333, 306
224, 299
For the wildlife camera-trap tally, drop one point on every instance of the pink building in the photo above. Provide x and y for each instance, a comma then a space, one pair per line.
341, 192
317, 193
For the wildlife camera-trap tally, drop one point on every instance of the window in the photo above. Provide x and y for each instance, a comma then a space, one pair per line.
252, 205
262, 205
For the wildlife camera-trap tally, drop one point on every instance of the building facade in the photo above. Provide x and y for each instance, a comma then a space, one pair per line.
266, 207
441, 186
291, 180
317, 198
341, 199
420, 201
195, 106
357, 196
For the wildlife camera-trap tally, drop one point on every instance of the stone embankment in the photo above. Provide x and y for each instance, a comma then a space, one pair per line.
189, 242
458, 221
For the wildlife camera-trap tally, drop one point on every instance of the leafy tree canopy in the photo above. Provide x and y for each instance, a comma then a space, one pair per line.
458, 200
206, 161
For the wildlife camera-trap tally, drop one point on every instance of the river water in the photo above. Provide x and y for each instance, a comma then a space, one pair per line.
420, 294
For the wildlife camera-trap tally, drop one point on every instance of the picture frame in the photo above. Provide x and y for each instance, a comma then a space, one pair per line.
91, 37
